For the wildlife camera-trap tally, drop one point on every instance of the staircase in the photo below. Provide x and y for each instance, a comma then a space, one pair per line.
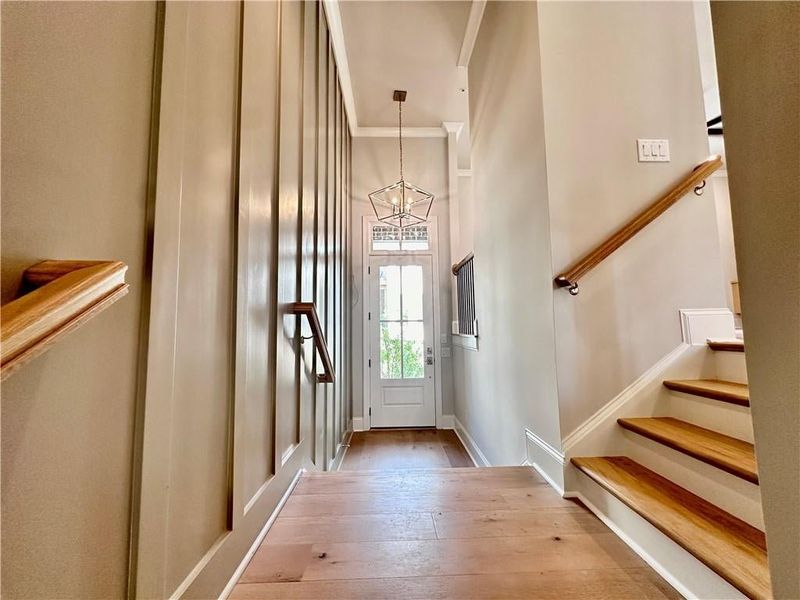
708, 422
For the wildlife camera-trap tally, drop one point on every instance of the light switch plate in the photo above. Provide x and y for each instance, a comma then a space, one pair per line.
652, 150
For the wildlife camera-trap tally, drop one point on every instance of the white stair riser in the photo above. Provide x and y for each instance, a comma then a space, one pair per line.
729, 492
730, 419
731, 366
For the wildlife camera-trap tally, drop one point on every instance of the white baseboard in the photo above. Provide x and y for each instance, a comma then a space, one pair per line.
447, 422
691, 578
469, 444
358, 424
226, 591
341, 450
698, 325
547, 460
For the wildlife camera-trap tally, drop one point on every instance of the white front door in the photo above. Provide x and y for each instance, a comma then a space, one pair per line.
401, 342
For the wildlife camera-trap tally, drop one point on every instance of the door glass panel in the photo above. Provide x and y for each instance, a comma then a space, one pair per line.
412, 292
389, 286
391, 353
413, 350
402, 328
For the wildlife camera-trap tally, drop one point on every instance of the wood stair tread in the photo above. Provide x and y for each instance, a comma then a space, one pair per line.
716, 389
730, 454
726, 345
733, 549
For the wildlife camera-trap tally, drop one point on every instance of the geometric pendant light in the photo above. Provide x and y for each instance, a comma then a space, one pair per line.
401, 204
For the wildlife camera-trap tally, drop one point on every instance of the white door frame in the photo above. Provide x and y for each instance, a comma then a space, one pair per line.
433, 251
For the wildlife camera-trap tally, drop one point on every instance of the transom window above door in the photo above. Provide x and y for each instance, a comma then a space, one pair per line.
386, 238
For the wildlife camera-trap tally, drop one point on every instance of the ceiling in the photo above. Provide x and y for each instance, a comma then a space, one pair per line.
406, 45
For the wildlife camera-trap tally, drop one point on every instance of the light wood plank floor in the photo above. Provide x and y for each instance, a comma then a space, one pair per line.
441, 533
405, 449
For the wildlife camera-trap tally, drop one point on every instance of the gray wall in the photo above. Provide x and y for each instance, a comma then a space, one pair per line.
76, 86
558, 96
191, 444
758, 59
375, 164
600, 94
510, 382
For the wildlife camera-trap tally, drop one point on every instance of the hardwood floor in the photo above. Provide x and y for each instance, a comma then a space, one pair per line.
383, 449
448, 532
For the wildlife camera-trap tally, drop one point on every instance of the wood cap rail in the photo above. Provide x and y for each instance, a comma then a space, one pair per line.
310, 311
66, 294
457, 267
693, 181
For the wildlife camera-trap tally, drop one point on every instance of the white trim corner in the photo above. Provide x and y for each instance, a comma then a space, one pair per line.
546, 459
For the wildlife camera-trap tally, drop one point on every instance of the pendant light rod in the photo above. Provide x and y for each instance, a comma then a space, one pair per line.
400, 97
401, 204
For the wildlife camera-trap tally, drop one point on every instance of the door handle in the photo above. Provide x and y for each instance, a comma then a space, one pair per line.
429, 360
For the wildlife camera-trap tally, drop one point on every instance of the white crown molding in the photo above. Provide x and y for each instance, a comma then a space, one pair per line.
334, 17
471, 32
392, 132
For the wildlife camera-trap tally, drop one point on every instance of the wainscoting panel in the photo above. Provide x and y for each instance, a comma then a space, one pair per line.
250, 206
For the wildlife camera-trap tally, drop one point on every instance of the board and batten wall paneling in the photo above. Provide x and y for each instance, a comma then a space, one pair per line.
76, 118
185, 500
247, 165
289, 193
254, 418
323, 60
308, 214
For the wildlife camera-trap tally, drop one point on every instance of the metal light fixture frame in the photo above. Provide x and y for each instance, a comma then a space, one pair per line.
397, 200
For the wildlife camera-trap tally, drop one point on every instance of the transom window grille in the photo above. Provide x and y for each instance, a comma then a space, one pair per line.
389, 238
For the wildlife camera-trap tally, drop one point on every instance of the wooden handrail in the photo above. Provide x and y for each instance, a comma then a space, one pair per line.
462, 262
310, 311
569, 278
66, 294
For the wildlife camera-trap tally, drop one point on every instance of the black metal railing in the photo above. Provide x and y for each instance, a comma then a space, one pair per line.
465, 285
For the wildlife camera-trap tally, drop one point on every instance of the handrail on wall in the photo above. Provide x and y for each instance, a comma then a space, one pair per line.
310, 311
66, 294
694, 180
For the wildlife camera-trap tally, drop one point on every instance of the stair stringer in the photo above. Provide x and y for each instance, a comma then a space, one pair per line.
601, 436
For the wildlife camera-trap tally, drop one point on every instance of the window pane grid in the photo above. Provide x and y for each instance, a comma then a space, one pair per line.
401, 340
388, 238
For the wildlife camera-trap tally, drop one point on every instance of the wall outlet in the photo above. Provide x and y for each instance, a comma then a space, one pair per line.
653, 150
